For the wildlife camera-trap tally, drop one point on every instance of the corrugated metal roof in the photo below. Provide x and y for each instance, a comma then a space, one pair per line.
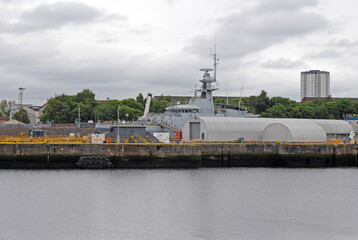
232, 128
302, 132
334, 126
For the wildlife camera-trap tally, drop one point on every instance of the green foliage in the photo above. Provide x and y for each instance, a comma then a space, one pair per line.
244, 103
22, 116
183, 100
355, 107
277, 111
141, 99
130, 102
159, 105
58, 111
5, 107
332, 110
220, 101
262, 102
304, 110
321, 112
284, 101
109, 110
64, 108
344, 107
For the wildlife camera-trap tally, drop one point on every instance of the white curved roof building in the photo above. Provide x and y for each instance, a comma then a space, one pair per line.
294, 132
264, 129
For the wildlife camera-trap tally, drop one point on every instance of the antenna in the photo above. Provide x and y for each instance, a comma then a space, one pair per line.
216, 61
227, 92
241, 93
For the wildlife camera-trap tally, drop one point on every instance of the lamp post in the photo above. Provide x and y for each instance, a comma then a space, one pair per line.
79, 116
21, 89
118, 123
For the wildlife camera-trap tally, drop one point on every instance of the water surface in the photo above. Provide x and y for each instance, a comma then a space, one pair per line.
235, 203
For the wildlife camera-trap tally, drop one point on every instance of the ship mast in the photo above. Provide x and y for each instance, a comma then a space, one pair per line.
216, 62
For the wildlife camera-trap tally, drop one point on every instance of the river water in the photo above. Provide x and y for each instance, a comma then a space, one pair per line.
236, 203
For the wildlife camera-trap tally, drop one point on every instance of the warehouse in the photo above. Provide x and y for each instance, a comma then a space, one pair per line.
264, 129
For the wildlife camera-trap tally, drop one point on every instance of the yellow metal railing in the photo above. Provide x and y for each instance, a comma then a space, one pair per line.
137, 139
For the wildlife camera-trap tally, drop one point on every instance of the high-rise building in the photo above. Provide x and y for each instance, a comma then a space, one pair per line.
315, 83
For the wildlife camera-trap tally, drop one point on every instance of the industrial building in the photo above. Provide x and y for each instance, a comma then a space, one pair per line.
124, 131
315, 83
265, 129
32, 111
352, 119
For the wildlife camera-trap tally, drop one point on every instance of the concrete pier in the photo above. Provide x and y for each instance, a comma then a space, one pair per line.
54, 156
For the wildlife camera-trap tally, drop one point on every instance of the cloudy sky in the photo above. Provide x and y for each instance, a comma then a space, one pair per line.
121, 48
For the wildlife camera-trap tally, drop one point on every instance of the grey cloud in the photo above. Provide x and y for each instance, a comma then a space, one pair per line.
57, 15
282, 63
52, 72
284, 5
248, 32
330, 53
140, 30
343, 43
24, 53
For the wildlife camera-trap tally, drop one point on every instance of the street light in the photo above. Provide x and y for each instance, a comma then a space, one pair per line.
118, 123
21, 89
79, 116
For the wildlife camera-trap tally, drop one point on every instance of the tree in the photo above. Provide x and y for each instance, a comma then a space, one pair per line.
355, 106
332, 110
57, 112
64, 108
130, 102
220, 101
5, 106
277, 111
244, 103
344, 107
22, 116
304, 111
141, 99
159, 105
262, 102
183, 100
321, 112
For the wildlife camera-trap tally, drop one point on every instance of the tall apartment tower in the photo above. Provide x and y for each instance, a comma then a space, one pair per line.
315, 83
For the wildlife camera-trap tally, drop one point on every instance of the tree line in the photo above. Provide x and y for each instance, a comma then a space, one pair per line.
279, 107
64, 108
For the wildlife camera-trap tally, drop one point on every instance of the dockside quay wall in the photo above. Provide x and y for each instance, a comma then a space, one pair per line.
53, 156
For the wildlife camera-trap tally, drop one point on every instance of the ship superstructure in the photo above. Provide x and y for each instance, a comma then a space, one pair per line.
202, 104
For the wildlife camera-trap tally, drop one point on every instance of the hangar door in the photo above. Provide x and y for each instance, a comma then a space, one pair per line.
195, 130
